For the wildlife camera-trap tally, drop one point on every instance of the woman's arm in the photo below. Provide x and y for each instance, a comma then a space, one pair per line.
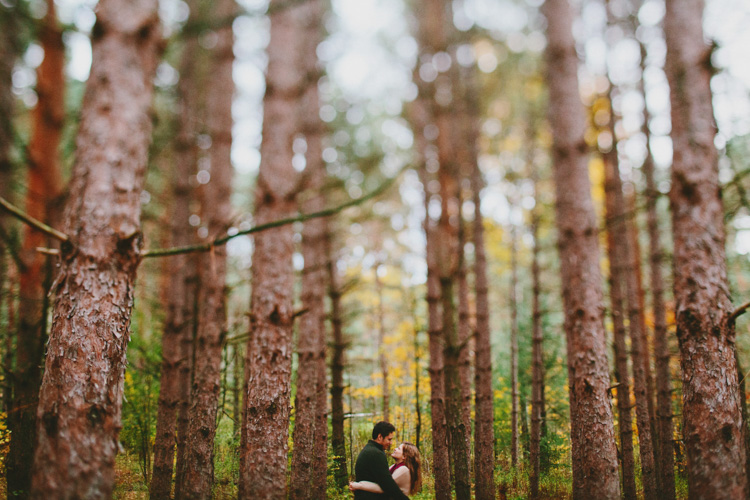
366, 486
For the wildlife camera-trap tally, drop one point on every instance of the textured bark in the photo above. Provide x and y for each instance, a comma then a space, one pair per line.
617, 267
263, 459
484, 427
338, 362
78, 418
309, 458
711, 408
440, 458
179, 324
537, 356
216, 212
43, 190
464, 336
513, 351
594, 455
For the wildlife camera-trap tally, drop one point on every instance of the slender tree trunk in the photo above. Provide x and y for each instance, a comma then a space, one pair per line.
513, 352
382, 359
417, 377
43, 189
78, 418
537, 355
464, 333
216, 211
594, 454
617, 267
661, 344
711, 408
310, 430
263, 458
179, 324
338, 440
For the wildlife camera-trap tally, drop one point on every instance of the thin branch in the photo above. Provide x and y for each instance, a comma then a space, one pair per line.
36, 224
738, 312
164, 252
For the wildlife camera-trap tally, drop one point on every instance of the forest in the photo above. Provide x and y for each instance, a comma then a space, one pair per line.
258, 249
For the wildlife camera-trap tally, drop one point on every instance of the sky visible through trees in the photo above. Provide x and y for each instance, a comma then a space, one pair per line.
507, 257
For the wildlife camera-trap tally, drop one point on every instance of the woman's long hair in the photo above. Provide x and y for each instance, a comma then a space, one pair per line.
413, 462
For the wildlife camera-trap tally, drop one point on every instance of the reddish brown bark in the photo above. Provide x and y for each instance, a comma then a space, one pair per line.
216, 212
594, 456
513, 352
711, 408
617, 267
440, 459
309, 455
464, 335
179, 324
537, 355
43, 190
78, 418
263, 458
382, 358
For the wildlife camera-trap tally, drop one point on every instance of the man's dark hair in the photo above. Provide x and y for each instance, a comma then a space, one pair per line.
382, 428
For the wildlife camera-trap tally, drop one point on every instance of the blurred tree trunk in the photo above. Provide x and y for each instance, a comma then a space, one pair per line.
174, 390
513, 350
711, 408
617, 267
338, 439
263, 455
382, 359
44, 186
80, 401
216, 211
594, 455
537, 351
309, 455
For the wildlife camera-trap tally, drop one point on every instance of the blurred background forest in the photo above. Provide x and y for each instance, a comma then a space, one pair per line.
372, 71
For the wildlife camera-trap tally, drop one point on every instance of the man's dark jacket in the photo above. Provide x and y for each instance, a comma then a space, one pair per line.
372, 465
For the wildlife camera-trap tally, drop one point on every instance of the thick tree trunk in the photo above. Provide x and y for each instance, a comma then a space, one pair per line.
179, 323
711, 408
216, 210
594, 455
263, 458
617, 267
420, 118
81, 394
513, 352
43, 189
338, 440
537, 356
309, 455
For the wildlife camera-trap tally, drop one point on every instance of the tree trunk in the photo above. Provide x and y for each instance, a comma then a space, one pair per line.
263, 458
537, 354
179, 323
617, 267
661, 344
78, 419
338, 440
594, 455
309, 455
419, 117
43, 190
216, 210
382, 359
711, 408
513, 352
464, 333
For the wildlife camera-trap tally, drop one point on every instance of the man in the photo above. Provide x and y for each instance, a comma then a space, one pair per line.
372, 465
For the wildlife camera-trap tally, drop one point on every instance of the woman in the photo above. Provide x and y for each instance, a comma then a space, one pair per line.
407, 471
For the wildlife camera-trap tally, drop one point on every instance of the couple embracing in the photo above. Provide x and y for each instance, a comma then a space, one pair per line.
375, 481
